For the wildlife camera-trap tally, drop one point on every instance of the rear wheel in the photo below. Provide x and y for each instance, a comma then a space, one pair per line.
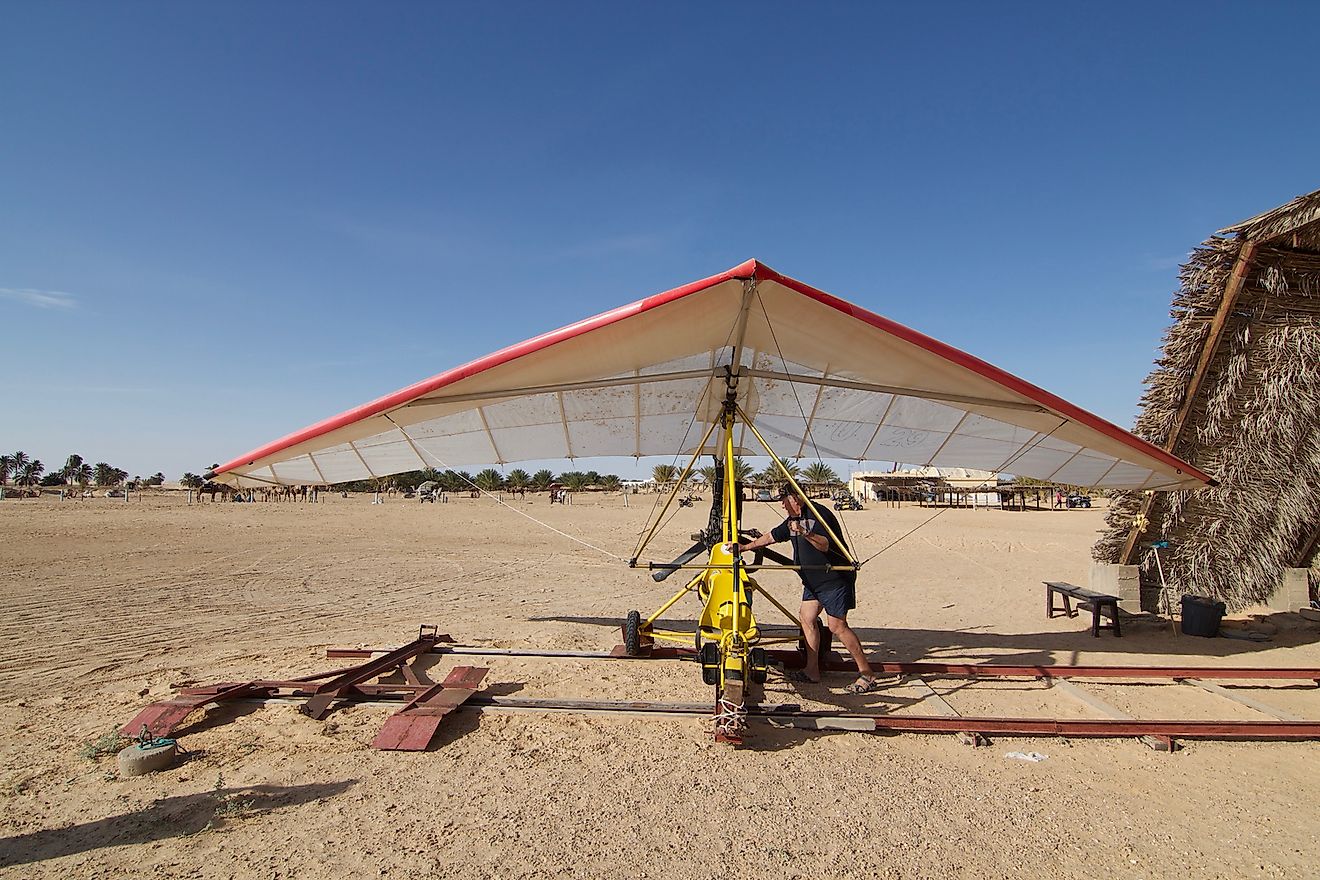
632, 634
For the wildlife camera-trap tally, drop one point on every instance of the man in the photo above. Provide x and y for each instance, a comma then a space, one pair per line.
832, 591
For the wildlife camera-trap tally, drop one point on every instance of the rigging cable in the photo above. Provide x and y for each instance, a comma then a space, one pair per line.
701, 403
806, 422
498, 500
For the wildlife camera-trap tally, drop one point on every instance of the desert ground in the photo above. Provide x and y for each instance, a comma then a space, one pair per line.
108, 606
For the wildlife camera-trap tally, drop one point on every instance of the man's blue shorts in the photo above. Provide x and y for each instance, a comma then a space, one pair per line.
837, 597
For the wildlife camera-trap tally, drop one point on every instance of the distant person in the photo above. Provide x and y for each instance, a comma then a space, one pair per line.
833, 591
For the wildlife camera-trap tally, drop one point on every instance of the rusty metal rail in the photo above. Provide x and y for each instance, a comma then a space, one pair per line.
869, 722
424, 704
793, 660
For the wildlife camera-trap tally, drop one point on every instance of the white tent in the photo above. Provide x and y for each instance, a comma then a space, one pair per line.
815, 374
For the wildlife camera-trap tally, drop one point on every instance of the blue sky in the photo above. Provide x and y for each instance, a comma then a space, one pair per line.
223, 222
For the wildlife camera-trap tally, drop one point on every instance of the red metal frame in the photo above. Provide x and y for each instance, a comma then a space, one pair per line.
411, 728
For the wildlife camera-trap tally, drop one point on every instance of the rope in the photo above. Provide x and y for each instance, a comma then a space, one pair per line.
901, 537
500, 501
730, 717
145, 740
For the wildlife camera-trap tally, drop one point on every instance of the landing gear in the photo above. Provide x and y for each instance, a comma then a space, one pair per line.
632, 634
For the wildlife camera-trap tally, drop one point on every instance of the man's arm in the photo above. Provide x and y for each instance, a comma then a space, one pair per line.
755, 544
795, 527
819, 541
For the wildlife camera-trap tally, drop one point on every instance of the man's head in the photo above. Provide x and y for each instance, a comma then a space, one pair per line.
792, 503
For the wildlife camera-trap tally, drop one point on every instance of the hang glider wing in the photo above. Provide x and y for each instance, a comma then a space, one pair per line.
818, 376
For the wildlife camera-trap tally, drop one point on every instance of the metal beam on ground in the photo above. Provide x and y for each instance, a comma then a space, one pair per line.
928, 695
1243, 700
412, 727
323, 695
1157, 743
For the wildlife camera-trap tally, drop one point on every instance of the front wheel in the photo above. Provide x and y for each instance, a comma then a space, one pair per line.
632, 634
759, 664
710, 663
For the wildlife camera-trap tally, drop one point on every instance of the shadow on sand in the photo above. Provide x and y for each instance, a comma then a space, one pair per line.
1146, 635
166, 818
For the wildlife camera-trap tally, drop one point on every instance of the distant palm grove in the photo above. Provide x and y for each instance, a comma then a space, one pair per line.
817, 475
28, 474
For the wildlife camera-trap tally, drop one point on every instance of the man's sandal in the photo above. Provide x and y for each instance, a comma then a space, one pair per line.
864, 684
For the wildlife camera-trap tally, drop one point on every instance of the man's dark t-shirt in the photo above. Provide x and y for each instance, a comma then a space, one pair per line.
805, 554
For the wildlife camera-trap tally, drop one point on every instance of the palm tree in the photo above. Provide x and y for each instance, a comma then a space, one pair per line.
772, 475
518, 480
489, 480
83, 475
189, 481
30, 473
157, 479
103, 474
71, 466
574, 481
820, 474
6, 468
664, 474
543, 479
611, 483
16, 462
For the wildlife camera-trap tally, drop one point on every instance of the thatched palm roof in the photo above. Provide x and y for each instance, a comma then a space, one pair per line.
1236, 392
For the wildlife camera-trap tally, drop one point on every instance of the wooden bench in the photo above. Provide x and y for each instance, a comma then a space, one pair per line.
1099, 604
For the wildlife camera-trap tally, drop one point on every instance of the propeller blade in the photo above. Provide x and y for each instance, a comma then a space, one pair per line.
690, 554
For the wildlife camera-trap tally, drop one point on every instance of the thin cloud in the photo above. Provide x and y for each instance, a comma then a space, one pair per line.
41, 299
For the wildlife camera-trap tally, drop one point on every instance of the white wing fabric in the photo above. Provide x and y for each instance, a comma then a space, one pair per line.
815, 374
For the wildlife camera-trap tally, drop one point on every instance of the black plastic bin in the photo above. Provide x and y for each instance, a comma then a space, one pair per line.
1201, 616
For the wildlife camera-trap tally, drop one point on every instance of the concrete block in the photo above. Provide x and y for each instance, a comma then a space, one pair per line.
1123, 581
1293, 591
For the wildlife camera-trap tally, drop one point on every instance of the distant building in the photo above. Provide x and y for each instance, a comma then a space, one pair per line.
966, 482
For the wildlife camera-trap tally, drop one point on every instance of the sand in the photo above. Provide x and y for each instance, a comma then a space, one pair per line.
108, 606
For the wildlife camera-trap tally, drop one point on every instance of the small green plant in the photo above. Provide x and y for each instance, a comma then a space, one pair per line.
228, 806
107, 744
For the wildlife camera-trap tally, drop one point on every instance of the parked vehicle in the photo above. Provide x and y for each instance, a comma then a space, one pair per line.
428, 491
1079, 501
847, 501
764, 495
